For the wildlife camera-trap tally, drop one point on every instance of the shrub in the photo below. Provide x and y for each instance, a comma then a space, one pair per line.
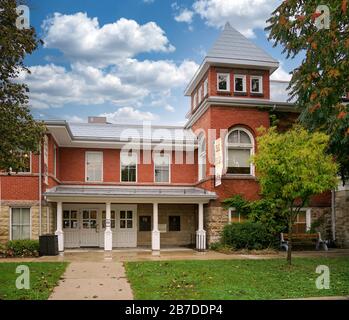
21, 248
247, 235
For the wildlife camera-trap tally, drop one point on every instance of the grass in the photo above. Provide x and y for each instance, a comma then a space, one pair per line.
44, 277
236, 279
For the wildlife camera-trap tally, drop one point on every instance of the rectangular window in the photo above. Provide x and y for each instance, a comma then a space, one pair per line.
195, 97
234, 216
206, 88
256, 84
128, 167
239, 161
20, 223
94, 166
223, 82
162, 168
54, 161
300, 225
70, 219
200, 94
240, 83
174, 223
126, 219
144, 223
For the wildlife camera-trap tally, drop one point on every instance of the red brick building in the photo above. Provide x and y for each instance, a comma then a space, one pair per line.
105, 185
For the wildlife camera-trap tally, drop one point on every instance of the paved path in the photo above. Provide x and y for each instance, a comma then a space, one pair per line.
93, 281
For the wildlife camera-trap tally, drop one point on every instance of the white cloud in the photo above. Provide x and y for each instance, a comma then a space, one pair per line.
82, 39
148, 1
157, 75
169, 108
55, 86
185, 16
127, 84
281, 74
128, 114
244, 15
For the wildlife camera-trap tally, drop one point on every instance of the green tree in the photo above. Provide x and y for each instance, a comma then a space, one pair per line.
292, 167
319, 83
19, 132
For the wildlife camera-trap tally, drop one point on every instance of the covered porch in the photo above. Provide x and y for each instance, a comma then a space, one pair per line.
129, 217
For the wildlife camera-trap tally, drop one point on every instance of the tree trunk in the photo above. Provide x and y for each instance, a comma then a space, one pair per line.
290, 234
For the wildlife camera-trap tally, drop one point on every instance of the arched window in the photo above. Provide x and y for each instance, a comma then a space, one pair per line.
239, 149
202, 157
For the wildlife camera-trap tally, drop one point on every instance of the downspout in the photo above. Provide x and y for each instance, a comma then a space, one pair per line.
333, 214
40, 191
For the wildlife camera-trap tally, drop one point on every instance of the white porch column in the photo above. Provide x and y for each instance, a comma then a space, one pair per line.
155, 235
108, 234
59, 230
201, 233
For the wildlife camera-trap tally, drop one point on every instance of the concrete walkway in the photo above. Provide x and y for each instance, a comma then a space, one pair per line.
93, 281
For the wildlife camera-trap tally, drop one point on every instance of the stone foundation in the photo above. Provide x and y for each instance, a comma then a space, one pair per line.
47, 218
215, 219
342, 217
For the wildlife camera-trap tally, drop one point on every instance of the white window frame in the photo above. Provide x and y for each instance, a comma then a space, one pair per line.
30, 220
242, 146
243, 77
102, 162
169, 168
307, 218
260, 78
202, 155
200, 95
230, 211
228, 81
134, 153
54, 160
205, 87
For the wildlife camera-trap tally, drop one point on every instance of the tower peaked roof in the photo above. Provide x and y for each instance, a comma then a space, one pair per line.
231, 44
232, 49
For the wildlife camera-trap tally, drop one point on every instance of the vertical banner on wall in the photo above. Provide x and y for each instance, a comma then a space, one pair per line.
218, 161
45, 160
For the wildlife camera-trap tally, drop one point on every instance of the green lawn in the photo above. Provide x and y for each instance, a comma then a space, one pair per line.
236, 279
43, 278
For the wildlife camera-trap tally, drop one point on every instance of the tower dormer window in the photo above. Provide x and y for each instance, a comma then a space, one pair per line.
200, 95
223, 82
256, 84
240, 83
195, 99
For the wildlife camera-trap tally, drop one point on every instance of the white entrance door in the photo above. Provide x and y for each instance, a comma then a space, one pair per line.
125, 235
89, 230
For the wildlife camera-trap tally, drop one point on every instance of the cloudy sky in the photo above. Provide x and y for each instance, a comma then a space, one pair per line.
131, 60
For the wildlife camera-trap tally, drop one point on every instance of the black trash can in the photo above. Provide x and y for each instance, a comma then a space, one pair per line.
48, 245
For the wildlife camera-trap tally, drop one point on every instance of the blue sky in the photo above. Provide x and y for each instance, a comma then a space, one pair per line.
131, 60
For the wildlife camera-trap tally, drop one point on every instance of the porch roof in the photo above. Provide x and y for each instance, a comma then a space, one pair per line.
129, 193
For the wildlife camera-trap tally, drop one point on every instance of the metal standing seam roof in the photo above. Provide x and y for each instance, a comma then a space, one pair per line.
231, 44
130, 192
123, 132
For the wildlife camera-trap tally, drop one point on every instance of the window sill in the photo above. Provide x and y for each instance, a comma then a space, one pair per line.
257, 94
240, 94
230, 176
